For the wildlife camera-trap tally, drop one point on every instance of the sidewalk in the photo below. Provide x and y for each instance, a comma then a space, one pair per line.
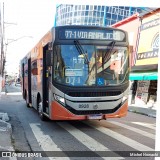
148, 109
144, 109
5, 130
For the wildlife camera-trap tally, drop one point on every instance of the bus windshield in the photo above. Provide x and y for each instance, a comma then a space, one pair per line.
90, 65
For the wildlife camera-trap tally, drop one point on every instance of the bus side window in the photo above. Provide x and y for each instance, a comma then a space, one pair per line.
34, 68
35, 71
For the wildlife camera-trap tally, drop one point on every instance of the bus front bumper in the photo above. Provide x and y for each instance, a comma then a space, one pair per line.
58, 112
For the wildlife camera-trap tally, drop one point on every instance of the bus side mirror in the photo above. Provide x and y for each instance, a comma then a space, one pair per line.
49, 58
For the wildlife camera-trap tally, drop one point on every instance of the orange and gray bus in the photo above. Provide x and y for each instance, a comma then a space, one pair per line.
78, 73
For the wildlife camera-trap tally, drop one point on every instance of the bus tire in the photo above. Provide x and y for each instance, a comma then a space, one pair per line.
40, 111
27, 104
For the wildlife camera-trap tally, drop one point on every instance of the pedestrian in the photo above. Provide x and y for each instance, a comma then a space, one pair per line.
134, 90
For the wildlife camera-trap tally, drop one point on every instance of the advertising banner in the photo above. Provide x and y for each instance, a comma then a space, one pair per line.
142, 90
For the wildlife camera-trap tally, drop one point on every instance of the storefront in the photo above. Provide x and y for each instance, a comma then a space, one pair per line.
143, 34
145, 70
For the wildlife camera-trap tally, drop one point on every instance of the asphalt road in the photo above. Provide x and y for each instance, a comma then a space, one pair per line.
134, 132
13, 88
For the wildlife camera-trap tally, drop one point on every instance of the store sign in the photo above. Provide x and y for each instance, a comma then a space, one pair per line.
150, 54
148, 48
150, 24
94, 34
142, 90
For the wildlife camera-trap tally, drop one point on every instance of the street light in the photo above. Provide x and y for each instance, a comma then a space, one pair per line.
13, 40
2, 44
9, 24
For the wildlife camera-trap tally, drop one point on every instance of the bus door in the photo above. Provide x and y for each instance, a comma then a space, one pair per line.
45, 82
29, 82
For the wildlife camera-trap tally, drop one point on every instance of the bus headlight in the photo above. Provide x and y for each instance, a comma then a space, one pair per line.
59, 99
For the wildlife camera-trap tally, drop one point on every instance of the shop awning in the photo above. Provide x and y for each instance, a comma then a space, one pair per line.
143, 76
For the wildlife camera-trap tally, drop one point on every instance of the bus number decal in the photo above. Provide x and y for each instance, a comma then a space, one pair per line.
73, 80
83, 105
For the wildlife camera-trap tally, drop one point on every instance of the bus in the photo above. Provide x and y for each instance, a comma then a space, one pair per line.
78, 73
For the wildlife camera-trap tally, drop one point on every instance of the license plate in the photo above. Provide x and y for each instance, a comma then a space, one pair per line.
95, 116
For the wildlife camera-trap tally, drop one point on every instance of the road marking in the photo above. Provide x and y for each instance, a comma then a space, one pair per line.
14, 93
86, 140
148, 125
45, 142
123, 139
149, 135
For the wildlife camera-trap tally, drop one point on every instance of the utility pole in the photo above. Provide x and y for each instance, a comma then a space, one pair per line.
1, 49
3, 46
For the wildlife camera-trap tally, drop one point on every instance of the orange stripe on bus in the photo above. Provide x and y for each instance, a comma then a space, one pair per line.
58, 112
121, 112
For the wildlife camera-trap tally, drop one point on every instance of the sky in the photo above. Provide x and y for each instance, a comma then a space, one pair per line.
31, 19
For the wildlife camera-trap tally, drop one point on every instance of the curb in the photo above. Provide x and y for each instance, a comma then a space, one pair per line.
4, 117
4, 125
5, 134
146, 114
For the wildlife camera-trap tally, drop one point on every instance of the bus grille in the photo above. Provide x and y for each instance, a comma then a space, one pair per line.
88, 112
94, 94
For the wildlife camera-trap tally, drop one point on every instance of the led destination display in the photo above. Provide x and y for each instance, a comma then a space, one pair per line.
88, 34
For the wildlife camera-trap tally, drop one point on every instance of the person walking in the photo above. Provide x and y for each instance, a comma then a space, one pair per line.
134, 90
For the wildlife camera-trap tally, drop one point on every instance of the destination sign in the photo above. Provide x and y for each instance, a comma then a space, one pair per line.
89, 34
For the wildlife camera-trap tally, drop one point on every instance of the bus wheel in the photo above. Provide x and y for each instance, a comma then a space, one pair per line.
40, 112
27, 104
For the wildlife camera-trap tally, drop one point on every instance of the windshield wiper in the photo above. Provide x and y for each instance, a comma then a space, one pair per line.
107, 55
81, 51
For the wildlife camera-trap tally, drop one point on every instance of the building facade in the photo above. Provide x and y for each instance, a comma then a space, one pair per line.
96, 15
143, 31
145, 70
